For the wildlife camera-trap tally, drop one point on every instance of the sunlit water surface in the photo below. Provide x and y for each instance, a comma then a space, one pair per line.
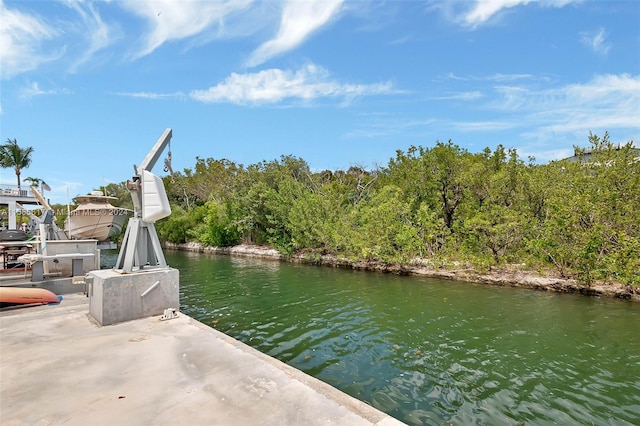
429, 351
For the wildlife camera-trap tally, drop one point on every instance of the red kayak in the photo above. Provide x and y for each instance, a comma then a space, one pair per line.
24, 296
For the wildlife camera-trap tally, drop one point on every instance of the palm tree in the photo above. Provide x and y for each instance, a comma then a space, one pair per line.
12, 155
33, 181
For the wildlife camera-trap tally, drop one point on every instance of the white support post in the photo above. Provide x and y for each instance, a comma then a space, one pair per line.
12, 215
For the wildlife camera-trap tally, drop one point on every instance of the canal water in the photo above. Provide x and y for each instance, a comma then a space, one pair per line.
429, 351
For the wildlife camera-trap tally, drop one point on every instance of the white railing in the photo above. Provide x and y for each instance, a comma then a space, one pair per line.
13, 191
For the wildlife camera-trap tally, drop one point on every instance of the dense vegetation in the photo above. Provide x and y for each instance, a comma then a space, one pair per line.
440, 206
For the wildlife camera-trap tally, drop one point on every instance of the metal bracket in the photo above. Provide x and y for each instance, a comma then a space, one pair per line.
169, 313
81, 279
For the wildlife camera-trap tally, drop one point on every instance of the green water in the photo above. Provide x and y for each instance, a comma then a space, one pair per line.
428, 351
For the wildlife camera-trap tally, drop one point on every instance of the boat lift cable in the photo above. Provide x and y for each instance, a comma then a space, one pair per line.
167, 163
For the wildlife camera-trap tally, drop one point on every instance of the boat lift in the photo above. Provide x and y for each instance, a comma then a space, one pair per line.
141, 284
46, 223
141, 249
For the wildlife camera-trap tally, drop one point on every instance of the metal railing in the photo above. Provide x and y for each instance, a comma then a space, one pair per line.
13, 191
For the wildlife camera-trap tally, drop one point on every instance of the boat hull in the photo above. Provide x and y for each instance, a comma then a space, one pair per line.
99, 224
96, 218
26, 296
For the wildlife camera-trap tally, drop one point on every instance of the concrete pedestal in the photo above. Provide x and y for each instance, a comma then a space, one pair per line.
115, 297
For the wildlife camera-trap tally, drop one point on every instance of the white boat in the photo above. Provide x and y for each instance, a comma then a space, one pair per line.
95, 217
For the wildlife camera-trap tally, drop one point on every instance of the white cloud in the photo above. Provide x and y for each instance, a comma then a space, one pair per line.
482, 11
374, 126
21, 38
275, 85
510, 77
462, 96
452, 76
175, 20
26, 39
34, 90
543, 153
84, 33
299, 20
596, 42
497, 77
482, 126
151, 95
536, 110
510, 98
98, 34
605, 103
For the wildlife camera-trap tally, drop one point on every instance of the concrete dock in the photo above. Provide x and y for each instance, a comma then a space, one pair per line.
57, 366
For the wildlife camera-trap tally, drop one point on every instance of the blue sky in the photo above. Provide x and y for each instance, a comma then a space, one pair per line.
92, 85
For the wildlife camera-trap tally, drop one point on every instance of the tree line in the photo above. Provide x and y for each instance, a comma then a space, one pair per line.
442, 206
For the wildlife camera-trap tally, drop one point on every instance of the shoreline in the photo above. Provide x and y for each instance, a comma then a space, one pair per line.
510, 278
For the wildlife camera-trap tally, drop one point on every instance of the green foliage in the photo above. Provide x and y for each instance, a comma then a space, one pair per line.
314, 219
175, 227
440, 204
435, 176
218, 228
496, 228
591, 216
33, 181
432, 232
383, 228
119, 191
624, 262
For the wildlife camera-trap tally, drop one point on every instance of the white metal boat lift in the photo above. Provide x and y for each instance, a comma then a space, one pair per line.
141, 247
141, 284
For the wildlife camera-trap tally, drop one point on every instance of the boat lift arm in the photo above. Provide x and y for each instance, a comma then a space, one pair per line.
153, 155
140, 247
50, 230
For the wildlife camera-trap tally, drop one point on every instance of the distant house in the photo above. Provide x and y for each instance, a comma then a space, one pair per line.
585, 154
10, 198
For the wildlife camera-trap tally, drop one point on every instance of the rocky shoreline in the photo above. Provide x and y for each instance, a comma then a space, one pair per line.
512, 278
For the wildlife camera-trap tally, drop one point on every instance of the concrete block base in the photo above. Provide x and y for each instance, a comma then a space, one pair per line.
116, 297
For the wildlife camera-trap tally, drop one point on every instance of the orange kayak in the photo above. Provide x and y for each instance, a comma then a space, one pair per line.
20, 296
